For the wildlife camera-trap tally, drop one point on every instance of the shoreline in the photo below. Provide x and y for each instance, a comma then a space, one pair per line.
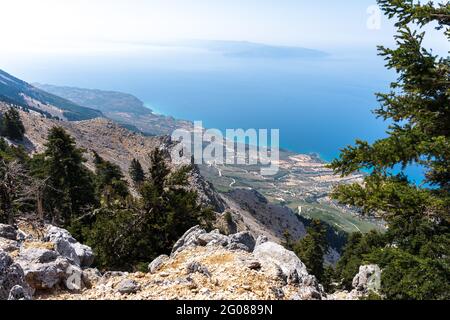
316, 154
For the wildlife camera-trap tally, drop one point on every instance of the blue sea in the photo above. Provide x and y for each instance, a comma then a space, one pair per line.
319, 104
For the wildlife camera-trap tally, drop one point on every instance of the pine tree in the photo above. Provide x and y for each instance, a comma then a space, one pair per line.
11, 125
110, 181
136, 172
159, 170
287, 240
70, 188
312, 248
418, 107
126, 236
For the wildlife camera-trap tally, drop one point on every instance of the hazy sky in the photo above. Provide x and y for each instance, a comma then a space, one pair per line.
28, 25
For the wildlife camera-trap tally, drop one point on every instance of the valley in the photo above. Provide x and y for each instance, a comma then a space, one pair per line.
303, 182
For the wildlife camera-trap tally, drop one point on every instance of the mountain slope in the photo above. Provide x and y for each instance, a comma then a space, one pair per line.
105, 101
18, 92
120, 107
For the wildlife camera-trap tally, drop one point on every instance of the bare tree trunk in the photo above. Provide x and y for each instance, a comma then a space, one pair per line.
39, 205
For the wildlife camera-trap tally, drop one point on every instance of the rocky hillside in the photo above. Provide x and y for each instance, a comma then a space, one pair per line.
47, 263
113, 142
119, 145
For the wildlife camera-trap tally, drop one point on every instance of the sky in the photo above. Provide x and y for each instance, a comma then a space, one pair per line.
52, 25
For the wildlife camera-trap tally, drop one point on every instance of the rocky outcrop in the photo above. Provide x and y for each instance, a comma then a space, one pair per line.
285, 262
286, 265
32, 264
12, 280
206, 192
368, 279
210, 265
43, 271
8, 245
242, 240
196, 236
68, 247
156, 264
202, 265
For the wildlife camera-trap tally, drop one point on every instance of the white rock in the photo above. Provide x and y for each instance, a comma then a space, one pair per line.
368, 279
66, 245
156, 264
287, 261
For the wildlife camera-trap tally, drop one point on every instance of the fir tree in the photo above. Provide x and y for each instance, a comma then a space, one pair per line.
159, 170
11, 125
312, 248
136, 172
418, 106
110, 181
70, 188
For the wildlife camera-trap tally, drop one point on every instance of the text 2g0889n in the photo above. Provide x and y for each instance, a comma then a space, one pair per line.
246, 309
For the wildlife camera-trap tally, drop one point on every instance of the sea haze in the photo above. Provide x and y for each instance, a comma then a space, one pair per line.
321, 100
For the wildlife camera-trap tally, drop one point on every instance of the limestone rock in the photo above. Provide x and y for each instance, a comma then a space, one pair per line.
196, 236
254, 265
287, 261
243, 241
189, 239
196, 266
213, 238
156, 264
81, 255
37, 255
110, 274
85, 254
261, 240
286, 265
44, 269
368, 279
65, 248
128, 286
